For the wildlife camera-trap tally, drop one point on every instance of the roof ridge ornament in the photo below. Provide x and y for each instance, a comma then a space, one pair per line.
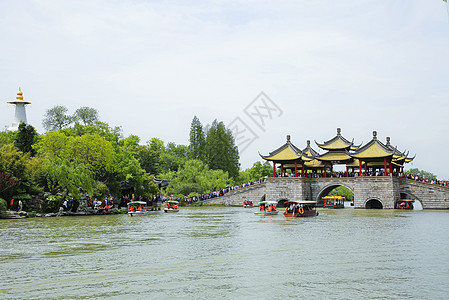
388, 141
308, 143
338, 131
288, 138
374, 135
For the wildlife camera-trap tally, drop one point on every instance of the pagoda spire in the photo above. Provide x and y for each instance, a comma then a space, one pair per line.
20, 112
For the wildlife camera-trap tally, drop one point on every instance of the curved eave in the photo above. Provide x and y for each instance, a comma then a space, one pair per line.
334, 157
314, 164
355, 163
409, 159
373, 150
19, 102
335, 144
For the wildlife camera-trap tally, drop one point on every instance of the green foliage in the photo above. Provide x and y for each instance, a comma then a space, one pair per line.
12, 170
86, 114
53, 203
100, 190
26, 137
173, 157
56, 118
68, 176
7, 137
3, 208
220, 149
256, 172
197, 140
422, 173
110, 134
195, 177
342, 191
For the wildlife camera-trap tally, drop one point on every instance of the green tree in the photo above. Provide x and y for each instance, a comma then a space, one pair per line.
68, 177
7, 137
173, 157
113, 135
56, 118
197, 140
12, 170
342, 191
86, 114
195, 177
221, 150
150, 156
26, 137
422, 173
257, 171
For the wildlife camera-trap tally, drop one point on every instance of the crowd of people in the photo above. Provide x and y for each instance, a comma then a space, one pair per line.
368, 173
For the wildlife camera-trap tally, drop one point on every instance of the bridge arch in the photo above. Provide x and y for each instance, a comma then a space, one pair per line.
327, 189
374, 203
281, 202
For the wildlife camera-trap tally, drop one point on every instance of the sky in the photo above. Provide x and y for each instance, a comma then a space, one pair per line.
267, 69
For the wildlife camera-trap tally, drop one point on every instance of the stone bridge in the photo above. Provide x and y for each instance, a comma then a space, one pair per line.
369, 192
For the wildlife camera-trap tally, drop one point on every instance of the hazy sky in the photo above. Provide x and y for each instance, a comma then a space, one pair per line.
150, 66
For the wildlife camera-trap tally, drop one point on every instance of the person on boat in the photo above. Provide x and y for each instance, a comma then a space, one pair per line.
175, 206
132, 209
273, 208
168, 205
269, 208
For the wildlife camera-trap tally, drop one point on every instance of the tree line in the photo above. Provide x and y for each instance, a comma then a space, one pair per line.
80, 155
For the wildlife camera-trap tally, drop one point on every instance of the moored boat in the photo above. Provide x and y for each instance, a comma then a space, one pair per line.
300, 209
172, 207
137, 208
333, 202
404, 204
267, 208
248, 203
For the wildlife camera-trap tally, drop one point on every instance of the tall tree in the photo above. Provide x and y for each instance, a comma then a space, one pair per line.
26, 137
86, 114
56, 118
221, 150
197, 140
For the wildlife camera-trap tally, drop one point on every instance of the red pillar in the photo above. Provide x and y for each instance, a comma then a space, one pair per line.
282, 170
296, 168
274, 169
360, 167
325, 169
347, 175
302, 169
365, 167
385, 167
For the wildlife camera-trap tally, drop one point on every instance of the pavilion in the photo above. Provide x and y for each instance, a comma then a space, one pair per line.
372, 156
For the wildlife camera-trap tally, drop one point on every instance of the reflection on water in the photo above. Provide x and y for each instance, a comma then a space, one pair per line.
228, 253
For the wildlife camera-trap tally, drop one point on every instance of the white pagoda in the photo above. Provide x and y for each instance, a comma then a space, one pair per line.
20, 115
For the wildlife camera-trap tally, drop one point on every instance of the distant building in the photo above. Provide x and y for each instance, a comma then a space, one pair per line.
20, 114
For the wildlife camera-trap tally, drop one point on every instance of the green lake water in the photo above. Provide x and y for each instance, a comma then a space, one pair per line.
228, 253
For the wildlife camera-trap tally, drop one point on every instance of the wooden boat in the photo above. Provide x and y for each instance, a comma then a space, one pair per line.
404, 204
333, 202
248, 203
172, 207
137, 208
267, 208
300, 209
